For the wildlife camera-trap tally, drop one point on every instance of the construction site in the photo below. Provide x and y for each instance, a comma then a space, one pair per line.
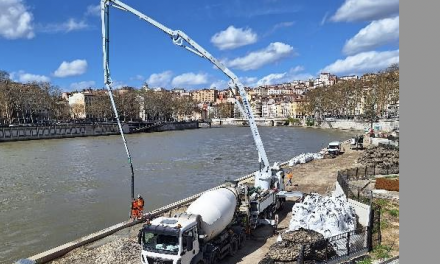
339, 205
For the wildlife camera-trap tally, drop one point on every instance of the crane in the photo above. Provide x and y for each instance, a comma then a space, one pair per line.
179, 38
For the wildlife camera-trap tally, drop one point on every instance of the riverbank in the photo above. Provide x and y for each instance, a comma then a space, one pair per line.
316, 176
340, 124
23, 133
90, 176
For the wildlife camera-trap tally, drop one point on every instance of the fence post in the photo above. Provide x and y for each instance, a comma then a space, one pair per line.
374, 169
379, 227
348, 243
358, 193
301, 256
370, 231
326, 249
366, 170
357, 171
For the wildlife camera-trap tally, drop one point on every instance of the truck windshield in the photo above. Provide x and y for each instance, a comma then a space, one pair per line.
162, 243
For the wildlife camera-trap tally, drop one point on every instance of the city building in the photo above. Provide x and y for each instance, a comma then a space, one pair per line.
205, 95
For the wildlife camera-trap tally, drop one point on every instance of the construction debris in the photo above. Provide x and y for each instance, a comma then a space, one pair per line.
122, 250
315, 248
304, 158
385, 159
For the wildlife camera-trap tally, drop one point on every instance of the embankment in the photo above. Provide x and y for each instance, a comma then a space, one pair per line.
21, 133
382, 125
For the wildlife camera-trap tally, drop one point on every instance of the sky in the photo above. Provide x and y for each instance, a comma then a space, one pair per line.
261, 41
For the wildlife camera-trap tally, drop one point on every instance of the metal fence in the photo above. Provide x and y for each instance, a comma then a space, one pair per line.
337, 248
355, 243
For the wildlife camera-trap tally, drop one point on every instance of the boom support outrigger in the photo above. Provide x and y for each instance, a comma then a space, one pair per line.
180, 39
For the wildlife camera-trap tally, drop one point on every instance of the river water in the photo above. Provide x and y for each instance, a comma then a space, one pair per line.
55, 191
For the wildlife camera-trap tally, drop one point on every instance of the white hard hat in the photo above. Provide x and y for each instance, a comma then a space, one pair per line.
139, 196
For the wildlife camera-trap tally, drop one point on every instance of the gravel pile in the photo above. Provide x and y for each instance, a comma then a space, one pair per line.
119, 251
289, 249
386, 159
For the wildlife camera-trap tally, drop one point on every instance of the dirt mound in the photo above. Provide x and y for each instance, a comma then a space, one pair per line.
386, 159
387, 184
289, 249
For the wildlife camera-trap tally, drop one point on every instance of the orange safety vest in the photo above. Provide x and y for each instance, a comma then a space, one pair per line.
140, 203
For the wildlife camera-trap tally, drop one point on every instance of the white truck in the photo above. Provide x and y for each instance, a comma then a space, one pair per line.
210, 229
214, 226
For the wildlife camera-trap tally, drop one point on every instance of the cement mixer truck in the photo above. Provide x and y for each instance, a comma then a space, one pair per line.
210, 229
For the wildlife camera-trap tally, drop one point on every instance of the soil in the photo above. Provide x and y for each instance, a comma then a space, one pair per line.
316, 176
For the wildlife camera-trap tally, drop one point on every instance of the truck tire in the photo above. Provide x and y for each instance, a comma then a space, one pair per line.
242, 240
234, 247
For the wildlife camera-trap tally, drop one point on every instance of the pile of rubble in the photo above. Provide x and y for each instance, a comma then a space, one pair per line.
386, 159
289, 249
119, 251
330, 216
304, 158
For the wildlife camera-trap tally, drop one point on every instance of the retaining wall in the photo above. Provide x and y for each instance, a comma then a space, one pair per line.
175, 126
383, 125
60, 131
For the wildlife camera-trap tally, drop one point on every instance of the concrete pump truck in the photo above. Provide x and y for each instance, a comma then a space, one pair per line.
214, 225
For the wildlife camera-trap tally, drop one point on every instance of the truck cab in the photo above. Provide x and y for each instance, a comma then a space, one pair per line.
334, 148
169, 241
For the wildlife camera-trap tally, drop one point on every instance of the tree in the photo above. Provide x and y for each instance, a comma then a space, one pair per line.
4, 76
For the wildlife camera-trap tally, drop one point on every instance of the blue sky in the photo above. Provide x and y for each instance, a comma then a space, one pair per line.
262, 41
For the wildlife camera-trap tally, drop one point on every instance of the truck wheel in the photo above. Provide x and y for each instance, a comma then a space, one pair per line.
215, 258
234, 247
242, 240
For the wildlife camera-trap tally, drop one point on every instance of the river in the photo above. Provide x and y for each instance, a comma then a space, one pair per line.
55, 191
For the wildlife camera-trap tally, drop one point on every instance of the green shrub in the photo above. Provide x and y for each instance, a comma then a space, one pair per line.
394, 212
381, 252
366, 260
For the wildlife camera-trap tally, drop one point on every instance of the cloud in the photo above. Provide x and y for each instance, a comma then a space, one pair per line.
366, 10
138, 77
376, 34
162, 79
257, 59
248, 81
371, 61
70, 25
82, 85
293, 74
190, 79
324, 19
15, 20
279, 26
93, 10
232, 38
24, 77
74, 68
283, 25
219, 84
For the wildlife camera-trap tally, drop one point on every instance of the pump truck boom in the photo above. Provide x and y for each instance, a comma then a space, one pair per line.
215, 224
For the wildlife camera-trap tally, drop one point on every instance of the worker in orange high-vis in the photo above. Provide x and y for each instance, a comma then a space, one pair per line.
134, 209
289, 178
140, 206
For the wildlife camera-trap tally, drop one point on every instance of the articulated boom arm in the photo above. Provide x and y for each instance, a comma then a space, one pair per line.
181, 39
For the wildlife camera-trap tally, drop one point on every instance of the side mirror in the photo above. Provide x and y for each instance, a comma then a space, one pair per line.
140, 236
